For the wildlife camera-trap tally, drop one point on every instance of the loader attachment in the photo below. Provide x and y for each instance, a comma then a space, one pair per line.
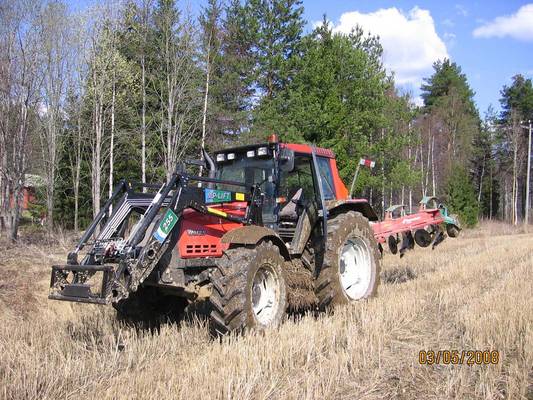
123, 254
82, 283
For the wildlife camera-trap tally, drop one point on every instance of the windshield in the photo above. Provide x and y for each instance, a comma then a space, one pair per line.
251, 171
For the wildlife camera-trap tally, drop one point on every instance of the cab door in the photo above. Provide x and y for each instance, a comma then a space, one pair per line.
299, 203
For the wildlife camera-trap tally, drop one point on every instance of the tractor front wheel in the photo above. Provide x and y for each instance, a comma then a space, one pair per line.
249, 290
351, 266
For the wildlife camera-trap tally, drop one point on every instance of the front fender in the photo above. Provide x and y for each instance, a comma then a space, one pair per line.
252, 235
342, 206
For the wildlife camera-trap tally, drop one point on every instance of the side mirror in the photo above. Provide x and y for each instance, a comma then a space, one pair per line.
286, 160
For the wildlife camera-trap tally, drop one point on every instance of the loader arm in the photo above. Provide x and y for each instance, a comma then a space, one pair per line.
135, 257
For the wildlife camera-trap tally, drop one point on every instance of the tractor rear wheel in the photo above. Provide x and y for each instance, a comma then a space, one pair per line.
351, 266
249, 290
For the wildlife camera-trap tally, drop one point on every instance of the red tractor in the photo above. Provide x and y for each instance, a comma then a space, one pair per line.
265, 213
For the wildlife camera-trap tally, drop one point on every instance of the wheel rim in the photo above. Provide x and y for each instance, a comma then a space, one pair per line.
265, 295
355, 267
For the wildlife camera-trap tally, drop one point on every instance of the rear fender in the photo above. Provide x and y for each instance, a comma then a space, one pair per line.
359, 205
252, 235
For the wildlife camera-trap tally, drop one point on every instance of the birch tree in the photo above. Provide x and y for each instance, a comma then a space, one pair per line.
176, 83
20, 83
55, 34
209, 21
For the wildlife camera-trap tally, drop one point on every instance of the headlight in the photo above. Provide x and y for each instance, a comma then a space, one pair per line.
262, 151
231, 156
250, 153
220, 157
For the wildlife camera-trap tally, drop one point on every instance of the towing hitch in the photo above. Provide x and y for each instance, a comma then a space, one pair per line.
82, 283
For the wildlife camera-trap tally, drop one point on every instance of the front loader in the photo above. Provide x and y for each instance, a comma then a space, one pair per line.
270, 220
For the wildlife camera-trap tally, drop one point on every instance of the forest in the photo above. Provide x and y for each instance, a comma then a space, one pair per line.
128, 89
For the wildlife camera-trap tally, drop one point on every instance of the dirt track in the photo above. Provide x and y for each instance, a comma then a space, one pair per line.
470, 294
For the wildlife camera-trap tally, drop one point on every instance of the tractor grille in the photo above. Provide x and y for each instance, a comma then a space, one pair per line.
202, 250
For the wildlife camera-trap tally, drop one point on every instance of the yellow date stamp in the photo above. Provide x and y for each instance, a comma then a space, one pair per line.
459, 357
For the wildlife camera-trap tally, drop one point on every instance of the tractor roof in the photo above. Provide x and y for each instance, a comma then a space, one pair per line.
307, 149
296, 147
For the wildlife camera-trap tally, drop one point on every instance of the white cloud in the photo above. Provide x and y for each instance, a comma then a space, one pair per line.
461, 10
518, 25
448, 22
410, 42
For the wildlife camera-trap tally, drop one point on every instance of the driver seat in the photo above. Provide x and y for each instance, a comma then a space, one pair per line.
289, 212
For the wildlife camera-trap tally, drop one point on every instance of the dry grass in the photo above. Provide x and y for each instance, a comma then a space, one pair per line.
470, 293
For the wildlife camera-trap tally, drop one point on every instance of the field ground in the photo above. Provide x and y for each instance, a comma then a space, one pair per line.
471, 293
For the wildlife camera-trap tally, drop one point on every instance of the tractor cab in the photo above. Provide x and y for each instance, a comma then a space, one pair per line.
297, 183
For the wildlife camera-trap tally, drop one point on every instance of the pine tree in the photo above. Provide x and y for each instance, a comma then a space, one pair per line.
447, 78
211, 38
277, 40
484, 166
234, 91
462, 197
517, 97
449, 105
517, 109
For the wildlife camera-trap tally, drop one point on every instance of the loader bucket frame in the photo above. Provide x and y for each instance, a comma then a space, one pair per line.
135, 262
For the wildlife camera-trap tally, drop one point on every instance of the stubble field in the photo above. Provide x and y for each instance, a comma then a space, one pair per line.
471, 293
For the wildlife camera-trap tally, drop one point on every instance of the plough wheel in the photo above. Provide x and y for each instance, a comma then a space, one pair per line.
423, 238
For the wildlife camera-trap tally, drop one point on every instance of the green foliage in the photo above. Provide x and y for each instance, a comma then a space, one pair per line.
265, 76
462, 197
447, 78
518, 98
276, 27
340, 98
449, 99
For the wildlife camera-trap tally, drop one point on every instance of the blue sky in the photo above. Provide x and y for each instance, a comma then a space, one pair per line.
498, 50
490, 40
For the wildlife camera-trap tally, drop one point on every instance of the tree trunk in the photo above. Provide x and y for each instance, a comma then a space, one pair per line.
76, 183
112, 142
382, 177
433, 183
206, 96
422, 174
409, 155
481, 181
143, 123
490, 194
515, 185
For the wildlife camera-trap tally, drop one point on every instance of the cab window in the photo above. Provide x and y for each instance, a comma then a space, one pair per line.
301, 177
324, 169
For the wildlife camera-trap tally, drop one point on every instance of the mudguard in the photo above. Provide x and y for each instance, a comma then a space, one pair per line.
342, 206
253, 234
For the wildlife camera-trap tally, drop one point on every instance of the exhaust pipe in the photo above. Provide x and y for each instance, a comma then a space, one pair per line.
210, 163
212, 168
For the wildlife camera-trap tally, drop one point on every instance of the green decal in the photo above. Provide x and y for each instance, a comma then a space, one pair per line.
166, 225
217, 196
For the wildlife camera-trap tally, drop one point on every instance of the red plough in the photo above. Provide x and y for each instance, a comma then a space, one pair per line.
424, 227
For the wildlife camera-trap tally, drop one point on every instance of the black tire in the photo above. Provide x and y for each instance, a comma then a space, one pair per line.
231, 297
452, 230
149, 307
342, 228
423, 238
